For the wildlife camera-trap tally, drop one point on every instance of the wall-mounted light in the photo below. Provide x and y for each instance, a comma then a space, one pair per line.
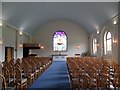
78, 46
20, 44
1, 41
98, 44
39, 44
0, 24
42, 47
115, 41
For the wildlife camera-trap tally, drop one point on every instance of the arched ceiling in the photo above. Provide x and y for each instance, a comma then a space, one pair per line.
32, 15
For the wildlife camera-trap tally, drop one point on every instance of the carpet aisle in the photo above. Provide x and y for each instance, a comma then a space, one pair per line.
54, 78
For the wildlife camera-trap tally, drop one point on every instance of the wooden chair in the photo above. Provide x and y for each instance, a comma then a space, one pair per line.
3, 82
20, 83
93, 75
38, 70
116, 77
33, 68
75, 79
11, 70
86, 82
6, 74
104, 81
28, 72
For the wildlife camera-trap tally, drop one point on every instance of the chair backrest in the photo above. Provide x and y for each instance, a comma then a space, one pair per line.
86, 82
104, 81
18, 75
117, 77
2, 78
0, 73
6, 74
0, 68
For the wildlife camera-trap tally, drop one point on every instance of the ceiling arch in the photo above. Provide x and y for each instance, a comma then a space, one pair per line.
32, 15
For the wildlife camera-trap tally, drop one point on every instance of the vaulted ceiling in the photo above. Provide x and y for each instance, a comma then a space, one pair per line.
32, 15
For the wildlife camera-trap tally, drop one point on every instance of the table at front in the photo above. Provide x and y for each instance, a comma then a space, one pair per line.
61, 57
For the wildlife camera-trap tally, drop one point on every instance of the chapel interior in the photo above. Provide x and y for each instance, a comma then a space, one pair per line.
59, 46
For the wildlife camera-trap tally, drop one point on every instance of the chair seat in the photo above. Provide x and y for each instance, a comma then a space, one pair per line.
37, 71
31, 75
41, 67
11, 79
24, 80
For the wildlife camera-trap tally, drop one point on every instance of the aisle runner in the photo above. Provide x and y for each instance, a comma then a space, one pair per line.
54, 78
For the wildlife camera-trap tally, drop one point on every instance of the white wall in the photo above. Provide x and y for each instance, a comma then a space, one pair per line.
0, 45
0, 31
24, 38
76, 36
108, 26
9, 37
12, 38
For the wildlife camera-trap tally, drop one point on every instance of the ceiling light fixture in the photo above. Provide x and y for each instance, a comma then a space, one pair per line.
115, 22
0, 23
21, 32
97, 31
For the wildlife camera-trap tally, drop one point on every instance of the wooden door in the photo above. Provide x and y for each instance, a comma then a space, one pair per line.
9, 53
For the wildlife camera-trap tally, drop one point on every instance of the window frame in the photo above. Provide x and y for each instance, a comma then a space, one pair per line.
66, 42
106, 51
94, 44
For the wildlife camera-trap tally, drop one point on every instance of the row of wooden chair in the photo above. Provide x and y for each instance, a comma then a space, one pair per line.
89, 73
21, 73
3, 84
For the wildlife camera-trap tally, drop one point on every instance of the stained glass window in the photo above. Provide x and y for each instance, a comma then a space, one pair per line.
59, 41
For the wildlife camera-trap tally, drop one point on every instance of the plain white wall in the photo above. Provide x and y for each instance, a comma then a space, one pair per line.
108, 26
76, 36
24, 38
0, 45
9, 37
12, 38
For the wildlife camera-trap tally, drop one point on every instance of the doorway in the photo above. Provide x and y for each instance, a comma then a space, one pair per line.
9, 53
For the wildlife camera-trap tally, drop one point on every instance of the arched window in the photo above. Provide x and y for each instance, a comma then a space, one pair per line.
107, 43
59, 41
94, 46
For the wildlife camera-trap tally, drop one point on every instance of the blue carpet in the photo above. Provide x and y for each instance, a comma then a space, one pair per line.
55, 77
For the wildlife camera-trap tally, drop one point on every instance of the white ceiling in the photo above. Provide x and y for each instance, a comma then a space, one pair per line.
32, 15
